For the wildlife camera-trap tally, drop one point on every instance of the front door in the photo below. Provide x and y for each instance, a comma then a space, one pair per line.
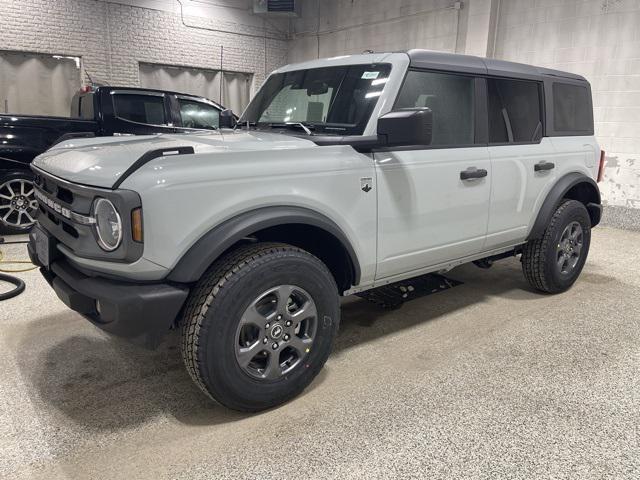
433, 203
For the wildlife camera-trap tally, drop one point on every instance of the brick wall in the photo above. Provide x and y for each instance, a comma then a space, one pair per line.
112, 38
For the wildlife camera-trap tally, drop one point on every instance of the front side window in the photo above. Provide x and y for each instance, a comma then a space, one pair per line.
198, 115
514, 111
331, 100
572, 108
450, 98
147, 109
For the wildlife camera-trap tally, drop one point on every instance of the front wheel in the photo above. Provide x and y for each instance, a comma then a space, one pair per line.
259, 325
18, 205
553, 262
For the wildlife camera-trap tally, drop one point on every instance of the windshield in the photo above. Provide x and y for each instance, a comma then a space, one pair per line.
329, 100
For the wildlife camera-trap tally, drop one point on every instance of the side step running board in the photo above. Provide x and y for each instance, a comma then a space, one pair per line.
395, 294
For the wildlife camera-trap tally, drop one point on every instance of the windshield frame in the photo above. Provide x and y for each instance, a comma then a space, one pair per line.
253, 113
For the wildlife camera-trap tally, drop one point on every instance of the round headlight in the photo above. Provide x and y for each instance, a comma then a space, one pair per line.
108, 224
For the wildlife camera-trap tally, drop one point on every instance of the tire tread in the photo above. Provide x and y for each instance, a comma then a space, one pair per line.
535, 251
238, 262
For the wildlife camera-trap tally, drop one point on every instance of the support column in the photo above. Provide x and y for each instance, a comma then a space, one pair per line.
482, 22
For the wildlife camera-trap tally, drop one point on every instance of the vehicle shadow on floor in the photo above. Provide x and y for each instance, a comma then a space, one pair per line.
103, 383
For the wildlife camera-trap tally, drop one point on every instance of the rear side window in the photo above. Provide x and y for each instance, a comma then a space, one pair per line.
515, 113
86, 107
198, 115
450, 98
147, 109
571, 108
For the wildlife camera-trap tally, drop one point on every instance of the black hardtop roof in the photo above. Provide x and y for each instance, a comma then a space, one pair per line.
484, 66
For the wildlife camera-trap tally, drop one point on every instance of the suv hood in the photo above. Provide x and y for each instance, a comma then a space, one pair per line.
100, 162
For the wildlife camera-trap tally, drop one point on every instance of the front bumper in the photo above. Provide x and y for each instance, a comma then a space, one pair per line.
143, 313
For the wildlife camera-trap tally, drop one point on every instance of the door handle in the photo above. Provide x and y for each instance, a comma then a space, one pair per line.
473, 173
542, 166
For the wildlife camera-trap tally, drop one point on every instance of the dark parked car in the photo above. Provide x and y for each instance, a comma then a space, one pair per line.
95, 112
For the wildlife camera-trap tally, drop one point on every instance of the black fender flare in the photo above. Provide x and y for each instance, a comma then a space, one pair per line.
555, 196
216, 241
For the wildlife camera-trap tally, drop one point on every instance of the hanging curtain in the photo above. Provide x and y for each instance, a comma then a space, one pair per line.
235, 91
34, 84
228, 88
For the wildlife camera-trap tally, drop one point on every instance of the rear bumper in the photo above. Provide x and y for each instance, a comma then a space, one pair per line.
143, 313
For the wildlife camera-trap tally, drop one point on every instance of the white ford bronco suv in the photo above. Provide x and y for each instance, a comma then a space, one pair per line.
341, 175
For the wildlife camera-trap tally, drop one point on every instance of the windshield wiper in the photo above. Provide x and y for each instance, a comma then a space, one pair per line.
306, 128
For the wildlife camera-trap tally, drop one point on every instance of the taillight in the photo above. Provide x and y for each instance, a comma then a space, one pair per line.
601, 166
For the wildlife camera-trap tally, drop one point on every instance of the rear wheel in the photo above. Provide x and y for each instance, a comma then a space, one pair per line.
18, 205
259, 325
553, 262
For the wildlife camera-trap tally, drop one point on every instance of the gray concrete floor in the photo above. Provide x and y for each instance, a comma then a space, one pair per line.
486, 380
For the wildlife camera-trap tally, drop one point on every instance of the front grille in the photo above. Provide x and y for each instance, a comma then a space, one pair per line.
65, 212
65, 195
70, 230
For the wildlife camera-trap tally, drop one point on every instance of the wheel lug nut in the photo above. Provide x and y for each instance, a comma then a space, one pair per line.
288, 323
264, 340
274, 346
286, 337
279, 317
267, 325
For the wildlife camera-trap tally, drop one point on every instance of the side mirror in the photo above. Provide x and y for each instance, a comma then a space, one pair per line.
227, 119
406, 127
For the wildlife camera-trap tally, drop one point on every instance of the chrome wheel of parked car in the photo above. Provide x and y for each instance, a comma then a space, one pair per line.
18, 205
276, 332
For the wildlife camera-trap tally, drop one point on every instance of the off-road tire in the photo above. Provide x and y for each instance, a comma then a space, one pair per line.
539, 256
214, 309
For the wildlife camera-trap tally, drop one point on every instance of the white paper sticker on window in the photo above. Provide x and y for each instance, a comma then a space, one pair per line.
370, 75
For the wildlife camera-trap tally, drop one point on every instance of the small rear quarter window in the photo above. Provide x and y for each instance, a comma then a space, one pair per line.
86, 106
572, 108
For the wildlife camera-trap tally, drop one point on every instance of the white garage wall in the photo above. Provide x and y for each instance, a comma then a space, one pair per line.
114, 37
337, 27
599, 39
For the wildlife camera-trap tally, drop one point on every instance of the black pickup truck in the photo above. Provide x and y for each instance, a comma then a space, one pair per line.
95, 112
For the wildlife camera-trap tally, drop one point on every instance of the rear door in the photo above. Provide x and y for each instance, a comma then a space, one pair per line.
523, 162
137, 112
433, 202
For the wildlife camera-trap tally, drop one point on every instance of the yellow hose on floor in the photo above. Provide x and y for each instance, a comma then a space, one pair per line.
12, 262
